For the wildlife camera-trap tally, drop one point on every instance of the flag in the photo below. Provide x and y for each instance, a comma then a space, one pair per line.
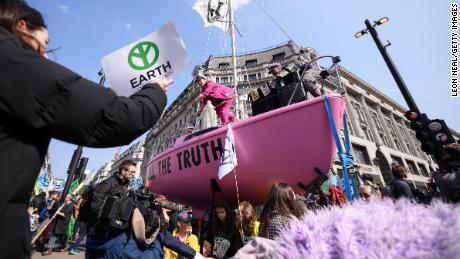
71, 225
214, 13
228, 161
136, 183
160, 54
43, 180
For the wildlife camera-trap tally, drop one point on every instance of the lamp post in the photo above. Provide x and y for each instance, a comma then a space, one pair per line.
433, 134
394, 71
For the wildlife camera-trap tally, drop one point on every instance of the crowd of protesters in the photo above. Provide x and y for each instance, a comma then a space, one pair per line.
228, 228
28, 125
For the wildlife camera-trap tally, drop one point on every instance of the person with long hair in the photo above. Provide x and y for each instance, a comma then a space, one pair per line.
221, 234
247, 224
40, 100
279, 207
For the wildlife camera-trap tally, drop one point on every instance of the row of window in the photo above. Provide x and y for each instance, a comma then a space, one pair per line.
388, 125
253, 62
247, 77
361, 156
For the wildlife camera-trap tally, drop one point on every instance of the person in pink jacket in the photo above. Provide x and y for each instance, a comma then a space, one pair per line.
221, 98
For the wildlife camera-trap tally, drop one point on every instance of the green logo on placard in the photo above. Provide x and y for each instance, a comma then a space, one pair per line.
143, 55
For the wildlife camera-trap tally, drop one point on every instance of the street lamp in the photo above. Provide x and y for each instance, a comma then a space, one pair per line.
370, 28
433, 134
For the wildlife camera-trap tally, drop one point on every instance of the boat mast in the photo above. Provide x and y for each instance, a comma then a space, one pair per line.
235, 83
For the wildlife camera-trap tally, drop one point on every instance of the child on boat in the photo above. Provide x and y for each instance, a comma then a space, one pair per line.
221, 98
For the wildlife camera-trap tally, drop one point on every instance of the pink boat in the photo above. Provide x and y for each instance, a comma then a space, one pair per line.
283, 145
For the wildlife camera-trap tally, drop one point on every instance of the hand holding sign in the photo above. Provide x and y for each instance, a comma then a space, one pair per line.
164, 83
158, 55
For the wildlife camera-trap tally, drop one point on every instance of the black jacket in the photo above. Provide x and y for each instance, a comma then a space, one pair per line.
109, 186
401, 188
40, 100
62, 222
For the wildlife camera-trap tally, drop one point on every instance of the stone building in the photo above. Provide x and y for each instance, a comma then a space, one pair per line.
135, 153
379, 132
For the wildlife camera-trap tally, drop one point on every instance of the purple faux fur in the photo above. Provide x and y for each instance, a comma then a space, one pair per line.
378, 229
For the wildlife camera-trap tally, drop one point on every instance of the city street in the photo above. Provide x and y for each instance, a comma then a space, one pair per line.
58, 255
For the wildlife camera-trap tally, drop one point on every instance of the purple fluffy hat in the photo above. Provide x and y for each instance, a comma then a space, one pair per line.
378, 229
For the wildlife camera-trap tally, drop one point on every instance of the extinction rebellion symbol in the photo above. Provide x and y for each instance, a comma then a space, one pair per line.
143, 55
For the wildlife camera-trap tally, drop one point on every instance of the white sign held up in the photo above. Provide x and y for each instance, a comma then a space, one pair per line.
157, 55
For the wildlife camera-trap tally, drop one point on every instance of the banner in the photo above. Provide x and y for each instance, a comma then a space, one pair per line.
158, 55
228, 161
214, 13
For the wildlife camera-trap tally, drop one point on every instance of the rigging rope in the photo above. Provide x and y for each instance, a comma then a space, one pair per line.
207, 44
273, 20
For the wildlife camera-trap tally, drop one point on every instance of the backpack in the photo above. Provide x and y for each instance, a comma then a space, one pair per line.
116, 211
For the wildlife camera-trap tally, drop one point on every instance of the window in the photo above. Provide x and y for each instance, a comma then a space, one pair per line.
363, 121
217, 80
423, 170
251, 63
360, 154
406, 140
412, 168
224, 80
224, 65
252, 77
397, 160
279, 56
394, 135
245, 77
378, 125
418, 148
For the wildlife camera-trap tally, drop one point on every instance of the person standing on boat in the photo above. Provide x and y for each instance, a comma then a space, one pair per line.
308, 78
221, 98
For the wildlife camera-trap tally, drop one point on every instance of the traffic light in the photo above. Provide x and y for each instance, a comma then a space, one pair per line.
432, 134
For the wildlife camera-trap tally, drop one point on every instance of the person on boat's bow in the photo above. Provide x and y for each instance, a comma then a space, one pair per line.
221, 98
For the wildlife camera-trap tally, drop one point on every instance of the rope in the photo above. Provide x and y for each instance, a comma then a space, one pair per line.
238, 199
274, 21
342, 156
207, 44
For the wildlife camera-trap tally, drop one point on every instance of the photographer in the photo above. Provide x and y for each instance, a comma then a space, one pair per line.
128, 224
102, 240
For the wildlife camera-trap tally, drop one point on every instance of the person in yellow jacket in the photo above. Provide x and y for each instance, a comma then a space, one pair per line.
183, 232
247, 225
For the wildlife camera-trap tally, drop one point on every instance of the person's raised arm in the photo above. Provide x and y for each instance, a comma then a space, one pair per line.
59, 103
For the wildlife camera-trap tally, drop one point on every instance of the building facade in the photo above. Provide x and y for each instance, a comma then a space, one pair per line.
135, 153
102, 173
380, 135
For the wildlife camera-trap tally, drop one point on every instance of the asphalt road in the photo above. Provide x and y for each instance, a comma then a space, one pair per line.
58, 255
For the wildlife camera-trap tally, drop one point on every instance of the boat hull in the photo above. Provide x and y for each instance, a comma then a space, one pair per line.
284, 145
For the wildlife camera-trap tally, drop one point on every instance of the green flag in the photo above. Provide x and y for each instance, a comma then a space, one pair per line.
71, 225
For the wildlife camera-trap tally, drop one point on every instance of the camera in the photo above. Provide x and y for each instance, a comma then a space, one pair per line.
150, 206
154, 201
